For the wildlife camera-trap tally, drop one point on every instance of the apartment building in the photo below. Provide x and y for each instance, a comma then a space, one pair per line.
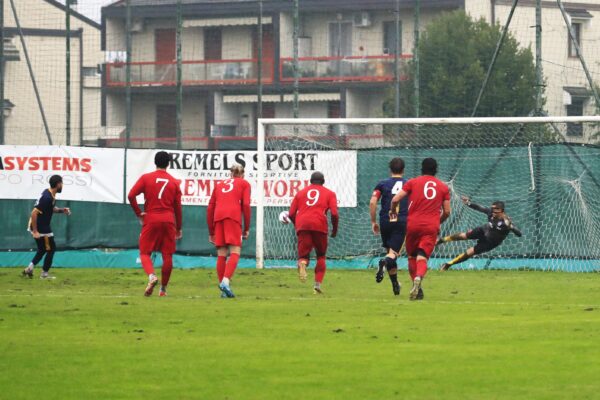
346, 62
43, 26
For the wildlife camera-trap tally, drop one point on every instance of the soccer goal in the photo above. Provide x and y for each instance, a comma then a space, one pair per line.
545, 169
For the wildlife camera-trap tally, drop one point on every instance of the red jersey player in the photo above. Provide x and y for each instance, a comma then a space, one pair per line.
229, 200
161, 219
429, 205
308, 212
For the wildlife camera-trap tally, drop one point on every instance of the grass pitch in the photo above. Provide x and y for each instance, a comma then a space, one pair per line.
90, 334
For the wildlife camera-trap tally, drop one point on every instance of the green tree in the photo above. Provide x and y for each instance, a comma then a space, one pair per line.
455, 52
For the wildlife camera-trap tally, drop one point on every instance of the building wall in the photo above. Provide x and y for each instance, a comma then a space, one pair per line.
47, 54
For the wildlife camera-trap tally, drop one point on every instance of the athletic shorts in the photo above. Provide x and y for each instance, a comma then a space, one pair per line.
392, 235
309, 240
228, 232
46, 243
420, 238
483, 244
158, 236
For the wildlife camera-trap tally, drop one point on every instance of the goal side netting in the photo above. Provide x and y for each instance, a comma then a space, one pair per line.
546, 170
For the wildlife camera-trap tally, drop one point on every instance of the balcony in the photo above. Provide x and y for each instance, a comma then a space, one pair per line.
194, 73
245, 72
343, 69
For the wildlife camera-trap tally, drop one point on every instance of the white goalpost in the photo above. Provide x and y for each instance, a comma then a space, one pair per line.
546, 169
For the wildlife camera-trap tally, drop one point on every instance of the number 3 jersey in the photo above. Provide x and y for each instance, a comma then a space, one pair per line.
229, 200
162, 197
385, 190
426, 194
309, 209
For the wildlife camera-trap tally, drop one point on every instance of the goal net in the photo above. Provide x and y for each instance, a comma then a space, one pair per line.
546, 170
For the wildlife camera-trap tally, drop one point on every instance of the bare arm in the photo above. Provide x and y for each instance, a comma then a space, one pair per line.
34, 217
373, 214
445, 210
395, 202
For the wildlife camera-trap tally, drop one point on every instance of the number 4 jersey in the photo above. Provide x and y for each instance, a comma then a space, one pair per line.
309, 209
162, 197
385, 190
426, 194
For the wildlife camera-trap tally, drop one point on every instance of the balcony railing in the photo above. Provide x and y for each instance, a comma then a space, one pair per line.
245, 72
205, 72
343, 69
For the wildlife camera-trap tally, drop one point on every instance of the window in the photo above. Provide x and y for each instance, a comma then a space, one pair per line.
340, 39
90, 71
573, 110
577, 33
389, 38
212, 44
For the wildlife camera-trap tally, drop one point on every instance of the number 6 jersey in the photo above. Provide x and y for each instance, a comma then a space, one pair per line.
426, 194
309, 209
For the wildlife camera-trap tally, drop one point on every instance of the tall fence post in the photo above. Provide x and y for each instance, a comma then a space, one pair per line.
539, 78
68, 71
179, 74
397, 61
128, 73
260, 59
417, 68
296, 66
2, 134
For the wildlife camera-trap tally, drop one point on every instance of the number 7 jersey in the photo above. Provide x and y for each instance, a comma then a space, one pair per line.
309, 209
426, 194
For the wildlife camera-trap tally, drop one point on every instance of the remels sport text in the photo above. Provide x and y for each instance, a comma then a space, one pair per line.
214, 162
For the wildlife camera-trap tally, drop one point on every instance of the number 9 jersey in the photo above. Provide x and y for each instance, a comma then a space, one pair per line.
309, 209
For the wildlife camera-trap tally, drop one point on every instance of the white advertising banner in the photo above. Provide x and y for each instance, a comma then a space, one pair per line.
89, 173
287, 173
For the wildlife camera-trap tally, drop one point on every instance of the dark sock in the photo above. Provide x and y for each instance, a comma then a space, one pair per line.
394, 278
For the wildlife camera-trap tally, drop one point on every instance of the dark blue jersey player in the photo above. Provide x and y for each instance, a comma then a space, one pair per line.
392, 232
39, 226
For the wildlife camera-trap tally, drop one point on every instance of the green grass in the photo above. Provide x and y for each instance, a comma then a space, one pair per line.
90, 334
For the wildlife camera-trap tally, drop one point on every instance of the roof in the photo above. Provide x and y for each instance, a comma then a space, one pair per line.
157, 8
578, 13
577, 91
74, 13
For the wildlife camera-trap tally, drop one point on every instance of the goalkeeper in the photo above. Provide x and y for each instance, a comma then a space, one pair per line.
488, 236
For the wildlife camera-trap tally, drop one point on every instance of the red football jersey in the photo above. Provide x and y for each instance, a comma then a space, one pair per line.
426, 195
309, 209
162, 196
230, 199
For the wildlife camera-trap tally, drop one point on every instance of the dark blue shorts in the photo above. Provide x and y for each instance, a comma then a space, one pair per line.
392, 235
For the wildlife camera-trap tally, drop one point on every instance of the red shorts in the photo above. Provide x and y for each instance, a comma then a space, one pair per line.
158, 236
228, 233
423, 238
308, 240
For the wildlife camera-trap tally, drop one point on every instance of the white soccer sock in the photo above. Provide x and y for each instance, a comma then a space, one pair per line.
317, 285
225, 281
151, 277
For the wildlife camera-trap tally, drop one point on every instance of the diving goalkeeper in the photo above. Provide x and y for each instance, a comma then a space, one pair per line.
488, 236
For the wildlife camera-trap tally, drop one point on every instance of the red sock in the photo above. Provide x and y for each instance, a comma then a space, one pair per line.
147, 263
412, 268
221, 262
231, 265
421, 267
320, 269
167, 267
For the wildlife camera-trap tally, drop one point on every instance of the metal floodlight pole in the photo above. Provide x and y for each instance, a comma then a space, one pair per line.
2, 101
68, 70
296, 68
260, 59
397, 62
31, 74
417, 70
579, 55
539, 77
494, 57
179, 74
127, 73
